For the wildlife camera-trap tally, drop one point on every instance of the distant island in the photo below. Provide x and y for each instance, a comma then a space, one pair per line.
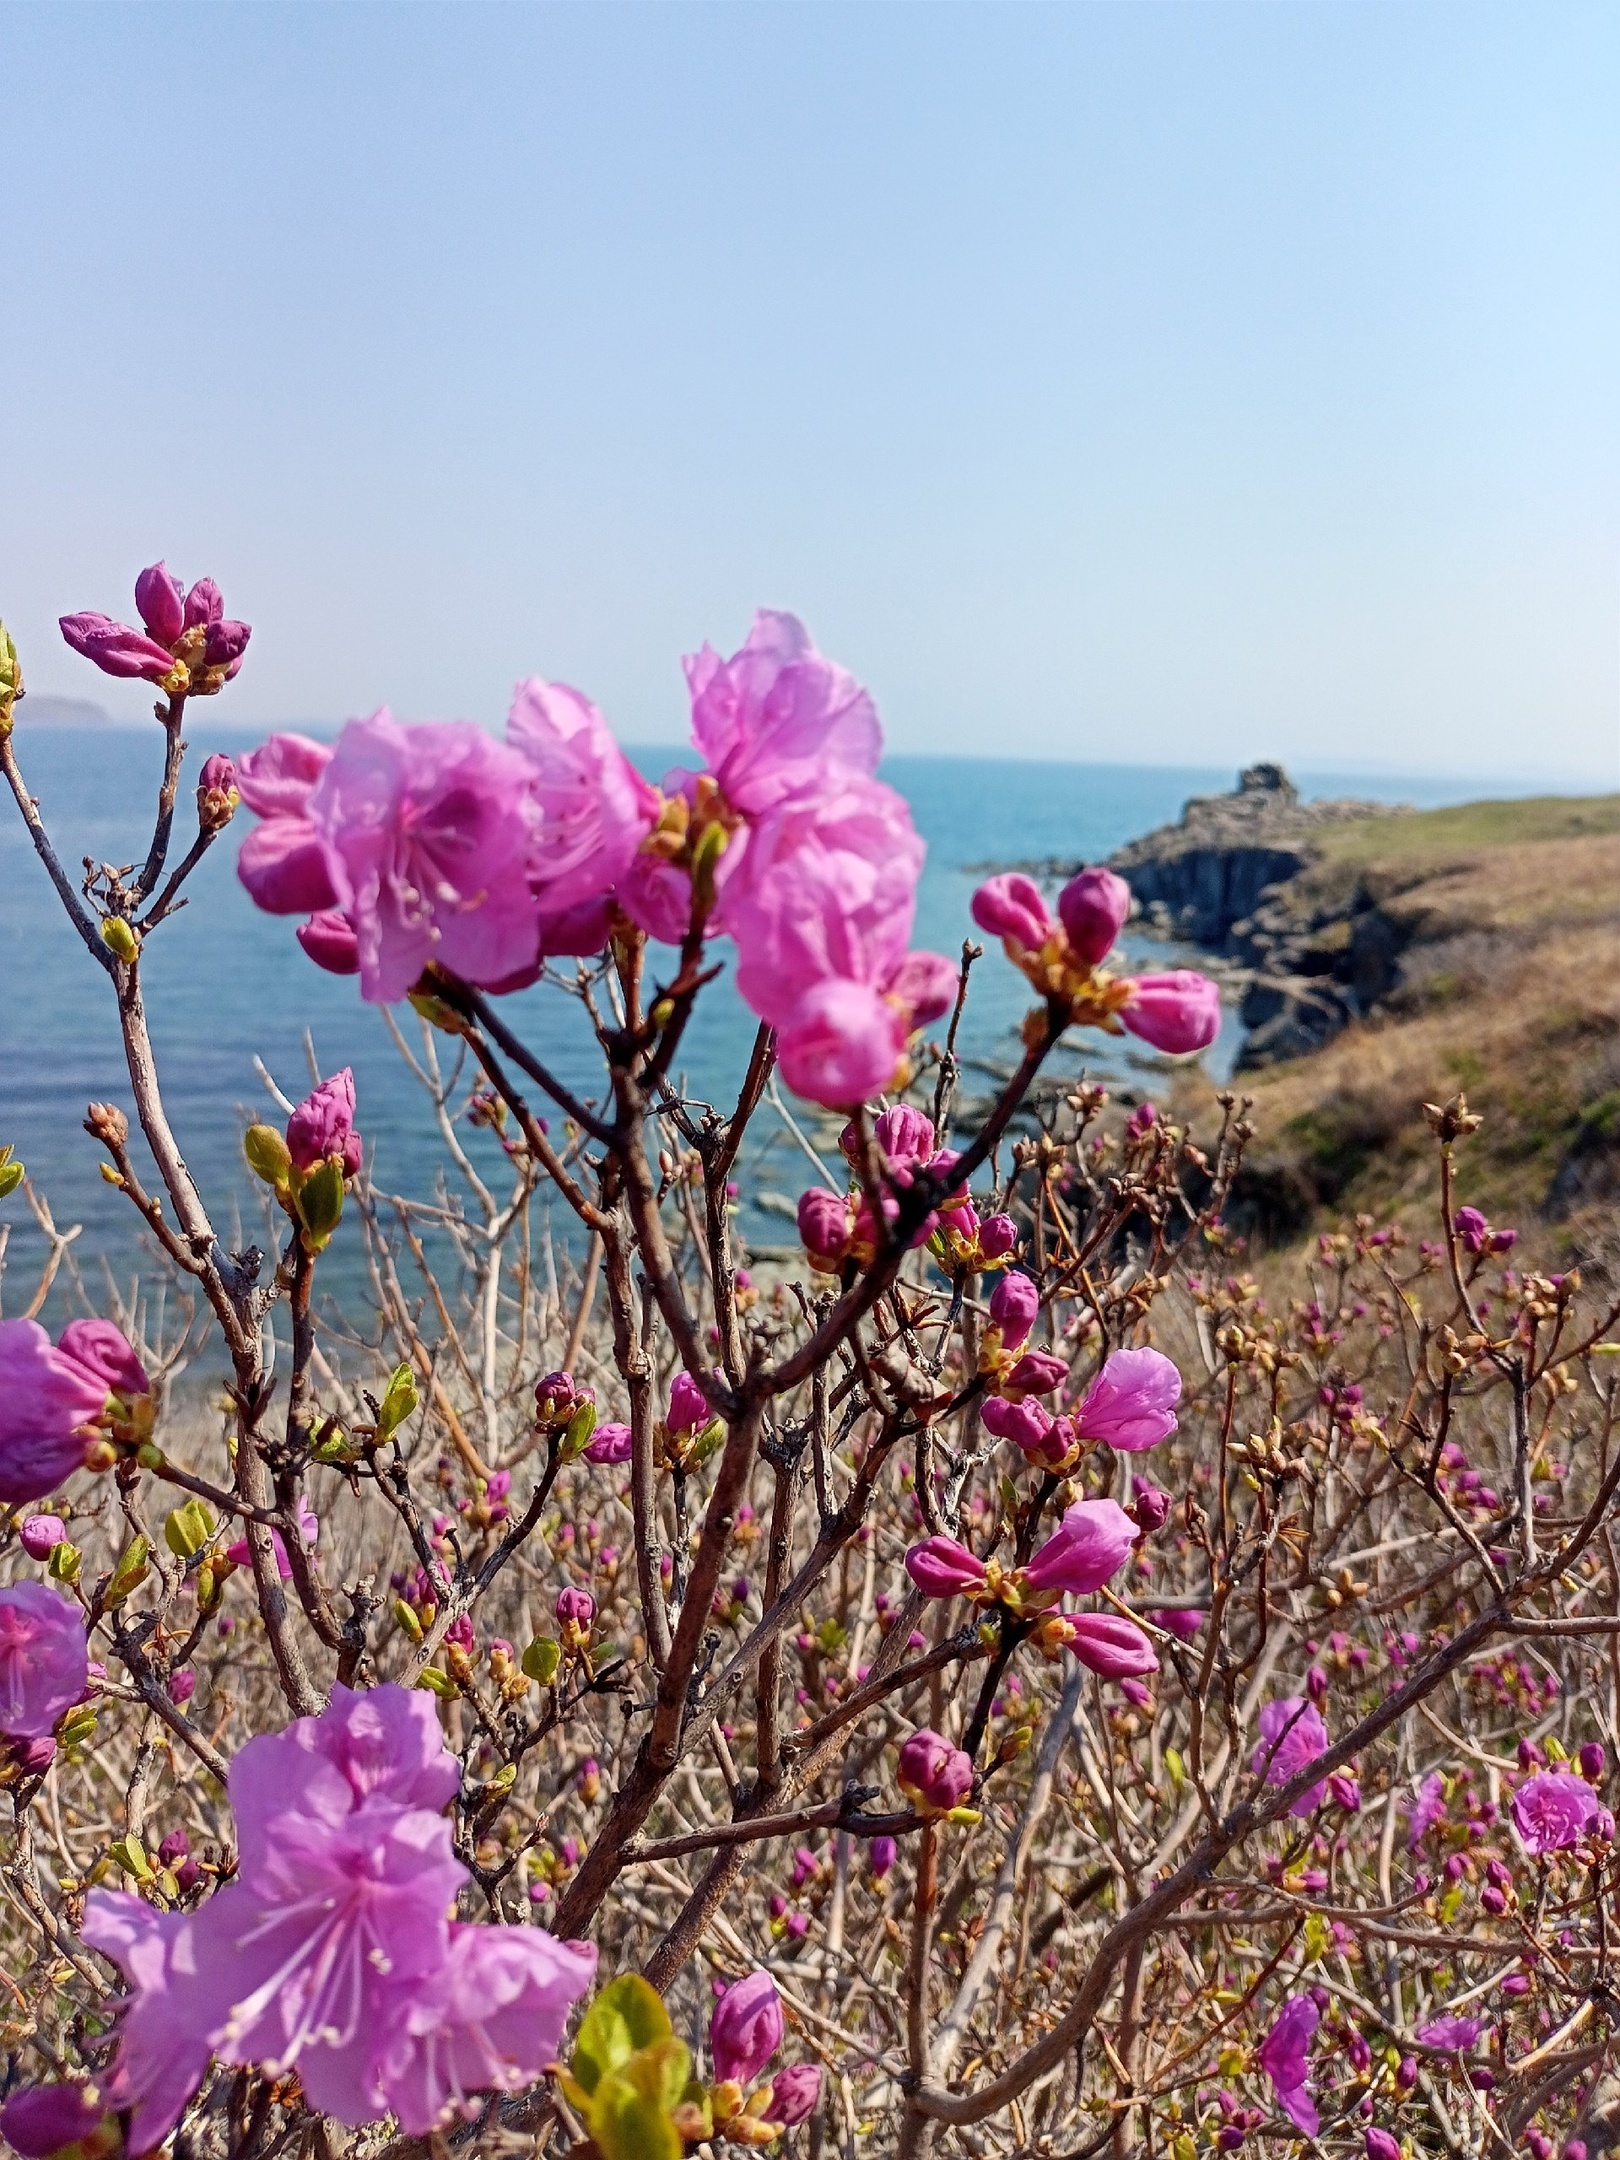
40, 709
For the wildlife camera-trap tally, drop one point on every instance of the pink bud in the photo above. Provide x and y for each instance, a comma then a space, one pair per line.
942, 1568
1013, 1305
576, 1608
933, 1775
1180, 1621
824, 1227
41, 1534
115, 648
323, 1125
1010, 906
1110, 1644
205, 604
745, 2029
610, 1444
1591, 1756
39, 2120
794, 2093
688, 1406
1177, 1013
160, 602
1094, 907
227, 641
1037, 1372
998, 1234
1149, 1504
884, 1852
1088, 1548
182, 1686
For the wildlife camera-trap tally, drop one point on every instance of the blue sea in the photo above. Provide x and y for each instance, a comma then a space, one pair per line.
225, 984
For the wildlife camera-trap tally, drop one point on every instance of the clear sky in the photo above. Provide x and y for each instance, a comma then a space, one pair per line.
1147, 382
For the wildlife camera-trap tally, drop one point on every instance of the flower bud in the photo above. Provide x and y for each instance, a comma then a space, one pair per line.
745, 2029
267, 1154
1013, 1305
217, 795
933, 1775
1093, 908
182, 1686
1591, 1757
11, 682
1149, 1505
794, 2093
1381, 2145
883, 1853
1010, 906
320, 1203
161, 604
330, 941
41, 2120
40, 1535
998, 1234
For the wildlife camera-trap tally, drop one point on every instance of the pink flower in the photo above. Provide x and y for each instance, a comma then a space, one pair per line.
1451, 2033
1093, 909
595, 811
1380, 2144
1180, 1621
44, 1663
1131, 1405
329, 940
331, 1954
117, 649
51, 1397
575, 1608
1428, 1808
1292, 1735
427, 834
688, 1405
1284, 2056
1150, 1505
934, 1776
1029, 1425
323, 1125
39, 2120
1010, 906
1110, 1644
1478, 1236
1014, 1303
904, 1137
1177, 1013
1552, 1811
283, 862
942, 1568
777, 718
998, 1234
610, 1444
794, 2093
1088, 1548
160, 601
745, 2029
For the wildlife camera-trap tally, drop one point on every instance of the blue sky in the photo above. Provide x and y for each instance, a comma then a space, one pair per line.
1153, 383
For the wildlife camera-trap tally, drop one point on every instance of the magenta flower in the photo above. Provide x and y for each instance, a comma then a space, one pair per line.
1031, 1428
688, 1405
1428, 1808
39, 2120
610, 1444
942, 1568
576, 1609
188, 646
1179, 1620
160, 602
1451, 2033
331, 1954
595, 810
1477, 1234
52, 1396
427, 833
934, 1776
824, 1227
1284, 2056
1011, 906
1177, 1013
1552, 1811
1131, 1405
1381, 2144
777, 718
794, 2093
323, 1125
44, 1663
1110, 1645
1292, 1735
329, 940
309, 1528
1093, 909
1088, 1548
1037, 1372
117, 649
745, 2029
283, 862
883, 1854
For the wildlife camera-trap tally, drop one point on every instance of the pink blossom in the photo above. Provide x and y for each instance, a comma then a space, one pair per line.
1011, 906
1037, 1372
331, 1954
1014, 1303
824, 1227
1292, 1735
1110, 1644
277, 779
323, 1125
595, 810
998, 1234
745, 2029
283, 862
1552, 1811
1179, 1620
1428, 1808
575, 1607
777, 718
1284, 2056
1093, 909
933, 1775
1029, 1425
942, 1568
190, 645
904, 1138
1380, 2144
160, 601
309, 1528
40, 1535
39, 2120
103, 1353
1131, 1405
1177, 1013
427, 834
44, 1663
610, 1444
50, 1400
1088, 1548
1451, 2033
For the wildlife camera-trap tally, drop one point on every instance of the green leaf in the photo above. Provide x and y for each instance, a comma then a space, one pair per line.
128, 1575
541, 1659
399, 1400
577, 1432
11, 1175
627, 2015
320, 1201
630, 2109
267, 1154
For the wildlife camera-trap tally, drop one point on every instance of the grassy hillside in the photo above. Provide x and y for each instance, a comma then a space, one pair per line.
1509, 988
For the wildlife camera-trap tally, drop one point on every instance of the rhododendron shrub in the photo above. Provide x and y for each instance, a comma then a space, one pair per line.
1009, 1671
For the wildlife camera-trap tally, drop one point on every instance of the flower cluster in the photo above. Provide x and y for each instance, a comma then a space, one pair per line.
188, 646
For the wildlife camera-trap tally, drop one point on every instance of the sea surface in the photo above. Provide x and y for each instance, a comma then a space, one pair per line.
226, 984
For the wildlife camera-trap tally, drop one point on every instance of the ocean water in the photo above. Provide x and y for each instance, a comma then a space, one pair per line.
225, 984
